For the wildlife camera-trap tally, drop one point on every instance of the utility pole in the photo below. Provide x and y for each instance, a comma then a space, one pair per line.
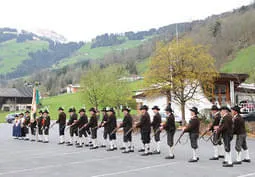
177, 34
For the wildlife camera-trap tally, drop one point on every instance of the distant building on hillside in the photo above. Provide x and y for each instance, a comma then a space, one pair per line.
72, 88
132, 78
15, 99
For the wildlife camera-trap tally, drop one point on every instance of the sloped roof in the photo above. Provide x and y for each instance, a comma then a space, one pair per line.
237, 78
23, 92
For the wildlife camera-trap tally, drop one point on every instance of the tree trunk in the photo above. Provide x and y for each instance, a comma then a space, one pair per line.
169, 96
183, 113
96, 106
118, 111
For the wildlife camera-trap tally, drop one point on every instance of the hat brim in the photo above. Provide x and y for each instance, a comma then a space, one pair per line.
169, 110
237, 110
192, 110
227, 109
144, 109
156, 109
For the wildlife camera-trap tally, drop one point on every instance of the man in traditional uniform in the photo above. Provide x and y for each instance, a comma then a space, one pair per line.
170, 128
240, 132
62, 125
80, 125
92, 125
145, 127
46, 126
24, 129
73, 130
32, 124
193, 130
127, 125
27, 124
217, 143
226, 131
104, 119
111, 125
156, 122
40, 126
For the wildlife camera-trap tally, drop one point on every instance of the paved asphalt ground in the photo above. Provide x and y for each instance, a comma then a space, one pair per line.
24, 159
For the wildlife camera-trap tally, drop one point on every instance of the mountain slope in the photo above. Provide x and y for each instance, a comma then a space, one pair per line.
12, 53
244, 62
86, 52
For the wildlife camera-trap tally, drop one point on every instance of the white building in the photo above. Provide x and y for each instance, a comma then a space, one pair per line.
72, 88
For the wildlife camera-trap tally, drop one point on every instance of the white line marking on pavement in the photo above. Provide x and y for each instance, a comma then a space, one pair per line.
52, 154
21, 151
246, 175
55, 166
135, 170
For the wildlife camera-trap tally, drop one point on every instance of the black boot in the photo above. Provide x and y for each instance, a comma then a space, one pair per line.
169, 157
227, 165
192, 160
214, 158
141, 150
237, 162
247, 160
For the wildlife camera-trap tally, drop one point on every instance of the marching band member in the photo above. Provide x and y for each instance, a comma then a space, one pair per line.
62, 125
46, 126
156, 122
193, 130
170, 128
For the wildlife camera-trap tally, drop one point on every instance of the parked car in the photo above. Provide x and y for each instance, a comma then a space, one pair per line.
10, 117
249, 117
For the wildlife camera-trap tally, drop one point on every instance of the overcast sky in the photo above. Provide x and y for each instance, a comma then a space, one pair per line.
84, 19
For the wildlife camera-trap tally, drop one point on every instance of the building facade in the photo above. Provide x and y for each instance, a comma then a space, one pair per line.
224, 93
15, 99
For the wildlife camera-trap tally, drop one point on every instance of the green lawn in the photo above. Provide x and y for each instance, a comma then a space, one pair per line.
244, 62
2, 116
142, 67
12, 53
136, 85
65, 100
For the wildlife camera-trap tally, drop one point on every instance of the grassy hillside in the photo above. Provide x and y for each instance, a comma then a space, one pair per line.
12, 53
66, 101
244, 62
143, 66
86, 52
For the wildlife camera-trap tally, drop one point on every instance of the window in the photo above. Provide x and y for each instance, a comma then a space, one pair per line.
220, 92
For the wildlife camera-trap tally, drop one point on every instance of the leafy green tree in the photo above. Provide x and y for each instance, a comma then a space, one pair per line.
180, 67
94, 86
119, 92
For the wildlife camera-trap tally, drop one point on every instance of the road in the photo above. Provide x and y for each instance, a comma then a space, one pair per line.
24, 158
